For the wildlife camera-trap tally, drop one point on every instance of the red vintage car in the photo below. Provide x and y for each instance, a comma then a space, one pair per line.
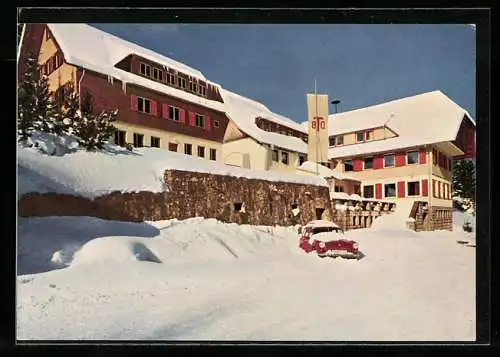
325, 238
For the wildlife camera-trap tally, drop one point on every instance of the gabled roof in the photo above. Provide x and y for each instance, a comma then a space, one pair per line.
426, 118
96, 50
244, 111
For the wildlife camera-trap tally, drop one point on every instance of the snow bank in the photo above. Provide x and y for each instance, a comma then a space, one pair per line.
396, 219
93, 174
204, 280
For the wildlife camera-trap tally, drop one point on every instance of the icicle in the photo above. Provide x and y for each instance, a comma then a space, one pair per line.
124, 87
112, 80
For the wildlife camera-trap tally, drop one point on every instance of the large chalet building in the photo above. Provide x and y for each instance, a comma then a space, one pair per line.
161, 102
401, 149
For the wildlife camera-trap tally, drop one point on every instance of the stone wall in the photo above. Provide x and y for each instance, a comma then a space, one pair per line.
435, 218
242, 200
191, 194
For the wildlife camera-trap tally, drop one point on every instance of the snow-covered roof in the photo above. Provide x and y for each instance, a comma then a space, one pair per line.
324, 171
96, 50
243, 111
93, 174
87, 43
425, 118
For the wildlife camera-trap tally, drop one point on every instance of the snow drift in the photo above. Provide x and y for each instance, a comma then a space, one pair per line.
204, 280
93, 174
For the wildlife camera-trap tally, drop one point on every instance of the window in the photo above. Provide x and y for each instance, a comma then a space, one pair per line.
339, 188
275, 155
201, 151
389, 160
213, 154
302, 159
340, 140
413, 188
390, 190
143, 105
199, 120
188, 149
331, 140
412, 157
203, 90
173, 147
369, 135
348, 165
170, 78
360, 136
160, 75
284, 157
145, 69
173, 113
138, 140
368, 161
181, 82
192, 85
120, 137
357, 189
368, 191
216, 123
155, 142
155, 73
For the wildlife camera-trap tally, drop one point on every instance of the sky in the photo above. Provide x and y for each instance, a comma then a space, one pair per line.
358, 64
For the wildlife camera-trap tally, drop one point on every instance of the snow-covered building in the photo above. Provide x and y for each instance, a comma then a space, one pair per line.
403, 149
163, 103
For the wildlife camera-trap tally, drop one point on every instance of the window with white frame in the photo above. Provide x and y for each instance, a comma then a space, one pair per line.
348, 165
413, 188
199, 120
360, 136
389, 160
390, 190
368, 163
412, 157
173, 113
284, 157
368, 191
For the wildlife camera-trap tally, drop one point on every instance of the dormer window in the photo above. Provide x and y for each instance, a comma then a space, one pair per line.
145, 69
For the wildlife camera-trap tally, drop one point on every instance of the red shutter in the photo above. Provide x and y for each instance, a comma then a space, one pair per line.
438, 189
182, 114
378, 162
207, 123
400, 159
133, 102
191, 118
401, 189
164, 110
434, 189
422, 156
357, 165
378, 191
425, 187
154, 108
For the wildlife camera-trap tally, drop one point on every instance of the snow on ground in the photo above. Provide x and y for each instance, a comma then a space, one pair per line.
396, 219
93, 174
200, 279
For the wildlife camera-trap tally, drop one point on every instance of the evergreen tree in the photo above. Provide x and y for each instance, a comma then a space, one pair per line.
27, 99
93, 130
69, 109
48, 116
464, 179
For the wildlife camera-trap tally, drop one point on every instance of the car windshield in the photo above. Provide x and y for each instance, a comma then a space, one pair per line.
324, 229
